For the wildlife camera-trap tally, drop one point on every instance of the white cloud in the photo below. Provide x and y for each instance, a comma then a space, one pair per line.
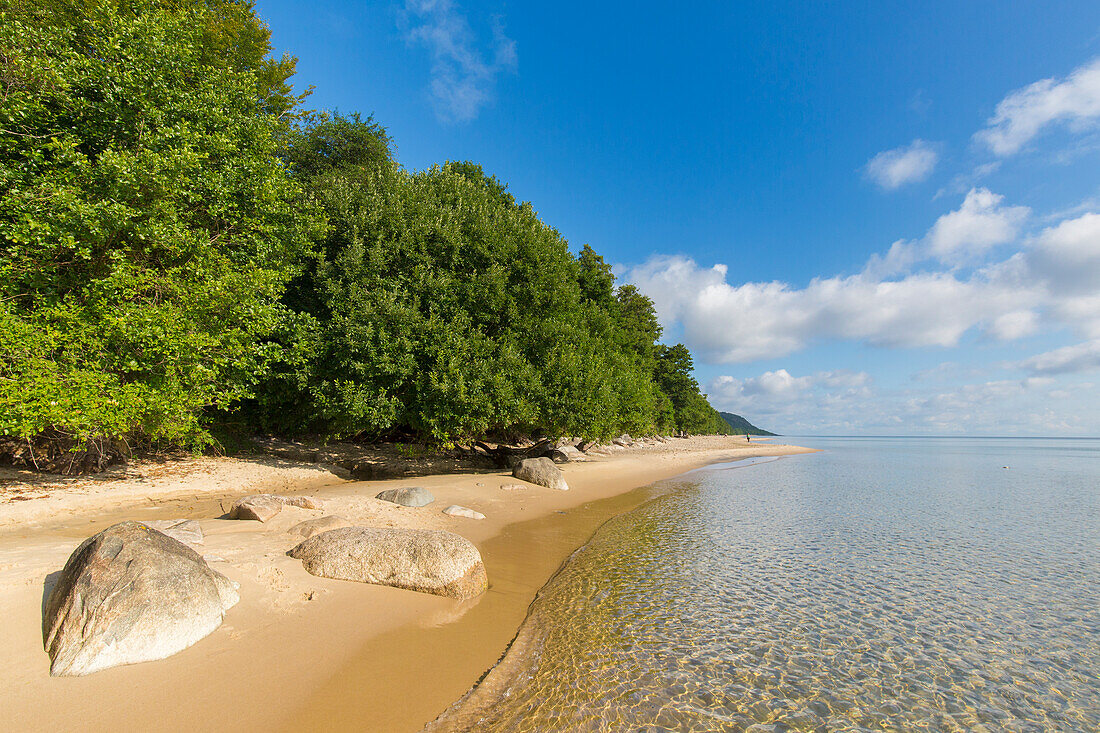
1065, 261
911, 163
958, 237
1081, 357
1025, 112
826, 398
1053, 279
1014, 325
1068, 255
463, 79
740, 323
848, 402
979, 224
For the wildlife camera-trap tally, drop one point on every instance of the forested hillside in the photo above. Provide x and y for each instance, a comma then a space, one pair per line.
741, 426
186, 248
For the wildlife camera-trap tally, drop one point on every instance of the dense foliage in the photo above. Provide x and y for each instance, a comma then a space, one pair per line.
148, 226
181, 246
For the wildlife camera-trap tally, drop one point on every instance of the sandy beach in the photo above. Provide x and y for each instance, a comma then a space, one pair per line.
302, 652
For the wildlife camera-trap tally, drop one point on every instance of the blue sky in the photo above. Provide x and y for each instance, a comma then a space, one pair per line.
863, 218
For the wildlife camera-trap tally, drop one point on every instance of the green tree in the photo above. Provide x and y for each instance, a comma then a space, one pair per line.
596, 280
148, 225
692, 413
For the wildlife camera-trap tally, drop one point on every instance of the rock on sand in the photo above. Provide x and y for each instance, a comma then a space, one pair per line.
310, 527
130, 594
454, 510
541, 471
429, 561
263, 507
408, 496
567, 454
186, 531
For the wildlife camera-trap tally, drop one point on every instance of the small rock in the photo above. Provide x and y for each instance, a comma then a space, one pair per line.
303, 502
455, 510
409, 496
263, 507
541, 471
130, 594
310, 527
429, 561
186, 531
566, 454
512, 487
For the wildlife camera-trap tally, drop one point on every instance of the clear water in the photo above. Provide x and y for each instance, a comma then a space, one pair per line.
885, 584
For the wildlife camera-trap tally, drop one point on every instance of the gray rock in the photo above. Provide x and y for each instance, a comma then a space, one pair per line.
263, 507
186, 531
454, 510
541, 471
408, 496
130, 594
303, 502
429, 561
260, 507
310, 527
566, 454
623, 440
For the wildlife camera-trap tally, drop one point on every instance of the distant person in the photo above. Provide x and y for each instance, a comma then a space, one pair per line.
747, 438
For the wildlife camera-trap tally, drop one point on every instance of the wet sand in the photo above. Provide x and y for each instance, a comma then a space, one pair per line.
301, 652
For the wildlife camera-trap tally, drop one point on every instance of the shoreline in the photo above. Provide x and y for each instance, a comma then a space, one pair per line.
306, 651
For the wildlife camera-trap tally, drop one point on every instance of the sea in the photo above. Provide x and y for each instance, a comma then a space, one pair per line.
883, 584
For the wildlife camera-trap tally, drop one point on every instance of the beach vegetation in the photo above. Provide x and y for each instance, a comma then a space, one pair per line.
184, 246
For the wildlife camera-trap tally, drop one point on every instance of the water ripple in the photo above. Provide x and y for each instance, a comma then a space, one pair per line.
839, 592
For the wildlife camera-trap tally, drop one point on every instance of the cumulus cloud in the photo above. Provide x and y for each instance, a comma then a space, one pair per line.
781, 385
1069, 254
958, 237
1052, 278
979, 224
850, 402
1024, 113
1065, 261
463, 74
911, 163
730, 323
1081, 357
827, 399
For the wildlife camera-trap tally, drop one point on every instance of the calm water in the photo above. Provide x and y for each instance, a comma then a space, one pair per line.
886, 584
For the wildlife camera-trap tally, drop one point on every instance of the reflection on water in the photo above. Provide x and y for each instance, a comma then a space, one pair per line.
882, 585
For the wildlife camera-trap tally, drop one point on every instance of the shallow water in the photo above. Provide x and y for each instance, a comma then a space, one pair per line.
886, 584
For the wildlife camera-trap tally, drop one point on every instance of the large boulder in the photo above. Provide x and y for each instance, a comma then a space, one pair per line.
130, 594
186, 531
429, 561
541, 471
263, 507
408, 496
310, 527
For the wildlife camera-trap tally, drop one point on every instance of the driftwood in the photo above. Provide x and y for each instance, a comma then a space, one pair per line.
507, 456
